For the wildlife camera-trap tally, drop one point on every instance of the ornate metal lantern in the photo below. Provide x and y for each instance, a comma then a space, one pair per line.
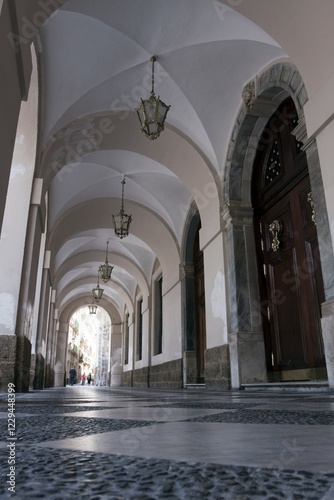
106, 269
122, 221
152, 112
92, 308
97, 291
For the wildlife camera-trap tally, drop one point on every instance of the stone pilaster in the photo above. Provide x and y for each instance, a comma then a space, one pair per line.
23, 353
189, 367
247, 353
327, 323
116, 355
39, 371
321, 219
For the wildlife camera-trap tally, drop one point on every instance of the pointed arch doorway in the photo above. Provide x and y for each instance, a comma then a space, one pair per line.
200, 342
194, 306
290, 276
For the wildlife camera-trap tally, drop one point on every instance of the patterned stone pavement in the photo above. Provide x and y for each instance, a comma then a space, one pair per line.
146, 444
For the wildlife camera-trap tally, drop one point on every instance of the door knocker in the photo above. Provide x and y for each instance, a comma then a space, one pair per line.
275, 228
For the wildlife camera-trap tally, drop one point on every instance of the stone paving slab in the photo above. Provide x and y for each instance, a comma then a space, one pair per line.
285, 446
158, 413
36, 429
296, 406
268, 416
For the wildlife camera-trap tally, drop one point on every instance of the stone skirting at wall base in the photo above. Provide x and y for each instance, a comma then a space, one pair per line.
7, 360
141, 377
189, 367
217, 368
49, 376
167, 375
127, 379
22, 373
32, 370
39, 371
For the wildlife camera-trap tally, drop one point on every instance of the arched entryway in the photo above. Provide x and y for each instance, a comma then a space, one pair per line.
194, 306
290, 275
200, 327
250, 356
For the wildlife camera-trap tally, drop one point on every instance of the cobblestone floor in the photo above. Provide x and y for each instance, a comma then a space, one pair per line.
103, 443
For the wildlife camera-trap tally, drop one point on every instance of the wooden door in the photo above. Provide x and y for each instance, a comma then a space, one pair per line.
290, 275
200, 311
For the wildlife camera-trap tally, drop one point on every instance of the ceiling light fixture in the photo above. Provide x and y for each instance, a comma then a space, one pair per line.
92, 308
106, 269
122, 221
97, 291
152, 112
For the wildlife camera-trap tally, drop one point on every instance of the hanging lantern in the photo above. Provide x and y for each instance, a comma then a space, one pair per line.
122, 221
97, 291
105, 269
92, 308
152, 112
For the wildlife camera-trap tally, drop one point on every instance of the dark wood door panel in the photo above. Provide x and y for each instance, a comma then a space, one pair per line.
286, 316
316, 296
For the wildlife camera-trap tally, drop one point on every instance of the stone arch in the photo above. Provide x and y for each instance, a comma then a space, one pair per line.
265, 93
63, 328
268, 90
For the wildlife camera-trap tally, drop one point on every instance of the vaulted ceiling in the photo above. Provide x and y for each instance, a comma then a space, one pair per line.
95, 67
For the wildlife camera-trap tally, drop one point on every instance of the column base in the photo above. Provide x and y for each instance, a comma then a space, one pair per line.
247, 355
217, 368
39, 371
189, 368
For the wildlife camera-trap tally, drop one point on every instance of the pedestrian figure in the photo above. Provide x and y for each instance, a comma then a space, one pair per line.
73, 374
89, 378
83, 379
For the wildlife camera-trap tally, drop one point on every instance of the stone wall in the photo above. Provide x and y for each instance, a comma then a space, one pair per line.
141, 377
7, 360
127, 379
189, 367
39, 371
217, 368
167, 374
22, 373
49, 376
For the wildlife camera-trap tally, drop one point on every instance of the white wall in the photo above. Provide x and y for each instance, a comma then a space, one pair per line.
215, 294
171, 327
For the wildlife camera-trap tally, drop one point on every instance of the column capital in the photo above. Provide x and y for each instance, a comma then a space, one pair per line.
186, 270
235, 213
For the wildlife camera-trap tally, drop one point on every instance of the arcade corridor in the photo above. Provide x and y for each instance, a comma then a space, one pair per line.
167, 166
